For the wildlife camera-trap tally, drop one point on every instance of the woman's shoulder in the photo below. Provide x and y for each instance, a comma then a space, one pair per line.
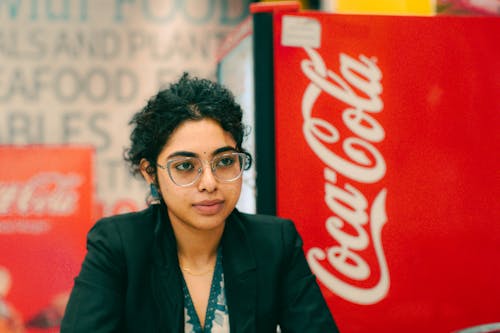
262, 221
263, 227
125, 239
130, 224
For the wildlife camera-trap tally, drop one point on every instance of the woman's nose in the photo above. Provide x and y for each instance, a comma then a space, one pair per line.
207, 181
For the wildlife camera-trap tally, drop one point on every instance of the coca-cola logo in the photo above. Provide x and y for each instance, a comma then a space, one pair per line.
354, 157
44, 194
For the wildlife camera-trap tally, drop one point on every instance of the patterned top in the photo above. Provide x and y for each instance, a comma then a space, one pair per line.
217, 316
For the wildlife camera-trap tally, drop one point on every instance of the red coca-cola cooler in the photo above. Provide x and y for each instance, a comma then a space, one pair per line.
384, 151
46, 210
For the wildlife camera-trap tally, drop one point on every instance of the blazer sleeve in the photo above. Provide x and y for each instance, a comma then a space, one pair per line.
303, 308
97, 299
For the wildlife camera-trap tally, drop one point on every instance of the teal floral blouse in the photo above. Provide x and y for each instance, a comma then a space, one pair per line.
217, 316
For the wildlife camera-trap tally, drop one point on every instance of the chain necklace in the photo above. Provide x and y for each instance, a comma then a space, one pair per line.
191, 272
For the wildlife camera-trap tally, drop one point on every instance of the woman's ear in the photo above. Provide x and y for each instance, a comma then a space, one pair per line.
144, 166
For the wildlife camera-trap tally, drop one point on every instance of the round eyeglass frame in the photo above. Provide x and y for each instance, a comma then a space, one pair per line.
245, 160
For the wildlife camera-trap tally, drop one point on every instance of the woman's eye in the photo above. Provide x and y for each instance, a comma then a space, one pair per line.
225, 161
184, 166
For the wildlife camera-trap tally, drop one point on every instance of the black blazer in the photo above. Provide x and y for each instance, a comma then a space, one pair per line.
130, 279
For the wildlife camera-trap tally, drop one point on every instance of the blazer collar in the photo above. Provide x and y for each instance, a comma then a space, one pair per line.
240, 279
166, 278
239, 274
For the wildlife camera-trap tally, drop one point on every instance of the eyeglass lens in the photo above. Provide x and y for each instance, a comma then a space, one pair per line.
225, 167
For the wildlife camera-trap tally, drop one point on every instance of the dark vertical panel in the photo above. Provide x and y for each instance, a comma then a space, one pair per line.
264, 113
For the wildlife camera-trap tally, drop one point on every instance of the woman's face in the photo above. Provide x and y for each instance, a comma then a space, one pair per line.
205, 204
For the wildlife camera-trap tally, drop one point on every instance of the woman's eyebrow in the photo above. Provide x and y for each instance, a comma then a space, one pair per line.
182, 154
223, 150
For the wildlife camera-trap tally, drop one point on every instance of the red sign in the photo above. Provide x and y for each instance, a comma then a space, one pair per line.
45, 212
387, 159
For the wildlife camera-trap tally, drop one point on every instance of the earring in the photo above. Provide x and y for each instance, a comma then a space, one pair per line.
154, 194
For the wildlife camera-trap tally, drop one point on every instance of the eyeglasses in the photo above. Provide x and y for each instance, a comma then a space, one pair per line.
185, 171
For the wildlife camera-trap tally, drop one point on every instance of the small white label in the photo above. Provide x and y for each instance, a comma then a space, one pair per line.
300, 32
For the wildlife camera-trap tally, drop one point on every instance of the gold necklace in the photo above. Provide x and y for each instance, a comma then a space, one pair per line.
190, 272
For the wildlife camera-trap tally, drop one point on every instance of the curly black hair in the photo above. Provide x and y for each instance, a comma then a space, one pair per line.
190, 98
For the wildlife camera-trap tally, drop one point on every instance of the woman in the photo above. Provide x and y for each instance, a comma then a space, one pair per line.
191, 262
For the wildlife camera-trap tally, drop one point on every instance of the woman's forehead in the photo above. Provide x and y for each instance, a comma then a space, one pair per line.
201, 137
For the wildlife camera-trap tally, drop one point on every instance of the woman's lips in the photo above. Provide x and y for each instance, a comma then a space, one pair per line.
209, 207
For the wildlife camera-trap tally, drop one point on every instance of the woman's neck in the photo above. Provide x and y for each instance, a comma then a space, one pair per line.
196, 248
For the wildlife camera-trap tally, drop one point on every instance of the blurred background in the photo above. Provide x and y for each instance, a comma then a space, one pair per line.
73, 72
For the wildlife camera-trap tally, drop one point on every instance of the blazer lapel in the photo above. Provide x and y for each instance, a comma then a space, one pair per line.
166, 282
239, 276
